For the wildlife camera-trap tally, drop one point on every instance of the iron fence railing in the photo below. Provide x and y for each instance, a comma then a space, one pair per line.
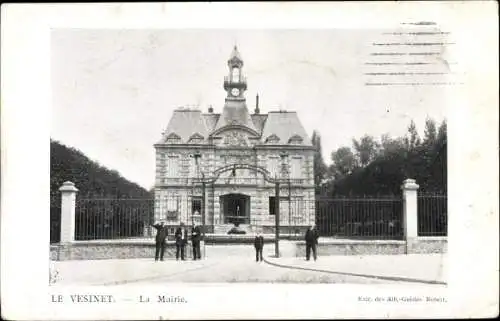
112, 218
364, 218
432, 214
55, 224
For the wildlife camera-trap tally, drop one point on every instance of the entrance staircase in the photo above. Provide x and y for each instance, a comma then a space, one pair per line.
223, 229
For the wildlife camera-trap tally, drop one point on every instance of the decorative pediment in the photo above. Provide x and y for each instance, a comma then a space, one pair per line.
235, 138
295, 140
272, 139
196, 138
173, 138
234, 127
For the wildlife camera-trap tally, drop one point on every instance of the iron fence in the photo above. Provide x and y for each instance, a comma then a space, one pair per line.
432, 214
112, 218
364, 218
55, 224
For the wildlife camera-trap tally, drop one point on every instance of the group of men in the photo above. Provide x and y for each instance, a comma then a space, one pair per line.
311, 238
181, 239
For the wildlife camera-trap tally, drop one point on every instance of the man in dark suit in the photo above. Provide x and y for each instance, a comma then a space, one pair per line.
161, 235
195, 239
180, 241
259, 246
311, 242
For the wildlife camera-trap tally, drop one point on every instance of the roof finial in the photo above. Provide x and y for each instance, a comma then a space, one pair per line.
257, 110
235, 55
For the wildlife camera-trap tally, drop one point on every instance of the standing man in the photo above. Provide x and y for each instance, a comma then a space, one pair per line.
195, 239
161, 235
259, 246
180, 241
311, 242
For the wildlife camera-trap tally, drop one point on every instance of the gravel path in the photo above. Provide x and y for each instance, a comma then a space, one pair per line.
233, 268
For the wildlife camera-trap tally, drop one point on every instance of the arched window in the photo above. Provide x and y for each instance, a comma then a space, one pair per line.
295, 140
236, 74
173, 139
272, 139
195, 139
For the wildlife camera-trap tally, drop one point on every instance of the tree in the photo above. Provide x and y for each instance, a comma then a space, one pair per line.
412, 139
320, 169
344, 162
366, 149
397, 159
441, 136
391, 146
430, 133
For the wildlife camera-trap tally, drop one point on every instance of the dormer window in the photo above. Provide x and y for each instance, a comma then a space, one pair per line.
195, 139
273, 139
295, 140
173, 139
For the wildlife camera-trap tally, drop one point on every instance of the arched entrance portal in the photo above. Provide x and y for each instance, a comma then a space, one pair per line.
235, 208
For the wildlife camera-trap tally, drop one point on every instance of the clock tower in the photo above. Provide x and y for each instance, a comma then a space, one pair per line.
235, 83
235, 115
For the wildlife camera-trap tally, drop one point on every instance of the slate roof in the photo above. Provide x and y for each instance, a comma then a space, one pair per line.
259, 120
211, 120
235, 113
185, 123
283, 124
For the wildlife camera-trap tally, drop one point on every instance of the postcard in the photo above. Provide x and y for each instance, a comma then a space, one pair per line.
249, 160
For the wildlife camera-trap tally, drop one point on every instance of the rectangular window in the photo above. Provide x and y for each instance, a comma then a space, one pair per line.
272, 204
173, 167
192, 168
297, 207
272, 166
172, 207
296, 170
196, 205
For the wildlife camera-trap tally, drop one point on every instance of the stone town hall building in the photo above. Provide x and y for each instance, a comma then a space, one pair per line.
235, 151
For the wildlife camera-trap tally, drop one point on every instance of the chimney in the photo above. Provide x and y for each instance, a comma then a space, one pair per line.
210, 109
257, 110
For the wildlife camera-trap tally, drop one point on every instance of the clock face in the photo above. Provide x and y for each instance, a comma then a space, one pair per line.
235, 91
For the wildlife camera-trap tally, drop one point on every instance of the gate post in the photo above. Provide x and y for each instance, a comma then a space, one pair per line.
203, 215
68, 198
277, 221
410, 213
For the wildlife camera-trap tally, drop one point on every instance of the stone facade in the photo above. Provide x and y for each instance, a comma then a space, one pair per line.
239, 156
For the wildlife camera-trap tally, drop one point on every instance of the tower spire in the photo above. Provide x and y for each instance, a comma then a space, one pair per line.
235, 110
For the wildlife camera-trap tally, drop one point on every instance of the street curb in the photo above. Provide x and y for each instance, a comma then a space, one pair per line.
378, 277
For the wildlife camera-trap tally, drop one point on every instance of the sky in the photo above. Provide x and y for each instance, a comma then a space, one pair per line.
114, 91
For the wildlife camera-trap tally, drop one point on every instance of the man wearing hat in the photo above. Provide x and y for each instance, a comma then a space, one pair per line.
259, 246
180, 241
311, 239
195, 239
161, 235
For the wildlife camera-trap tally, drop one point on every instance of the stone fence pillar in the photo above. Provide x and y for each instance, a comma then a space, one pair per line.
410, 213
68, 198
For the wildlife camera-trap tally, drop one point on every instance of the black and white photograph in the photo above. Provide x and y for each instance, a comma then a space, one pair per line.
204, 147
241, 157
